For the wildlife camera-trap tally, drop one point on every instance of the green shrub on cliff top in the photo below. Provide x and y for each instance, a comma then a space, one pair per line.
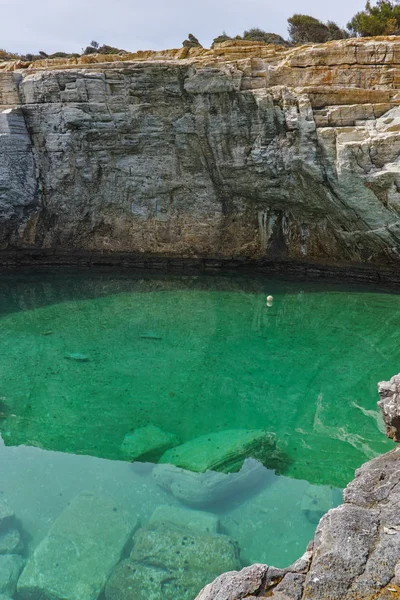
258, 35
304, 29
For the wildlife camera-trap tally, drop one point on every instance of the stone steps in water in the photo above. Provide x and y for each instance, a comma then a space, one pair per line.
75, 559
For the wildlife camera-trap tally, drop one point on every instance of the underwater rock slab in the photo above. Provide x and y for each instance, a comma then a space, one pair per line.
223, 451
10, 568
203, 489
147, 444
75, 559
171, 562
194, 520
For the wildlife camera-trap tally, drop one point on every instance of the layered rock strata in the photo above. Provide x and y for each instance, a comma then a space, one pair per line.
355, 554
247, 151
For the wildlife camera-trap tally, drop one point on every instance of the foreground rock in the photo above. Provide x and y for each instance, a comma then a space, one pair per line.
204, 489
389, 392
356, 549
171, 562
75, 559
223, 451
260, 581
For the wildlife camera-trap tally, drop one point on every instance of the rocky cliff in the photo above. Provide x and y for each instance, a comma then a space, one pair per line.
249, 151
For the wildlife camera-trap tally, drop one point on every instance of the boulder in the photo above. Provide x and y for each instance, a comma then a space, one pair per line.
10, 541
389, 403
10, 568
171, 562
147, 444
223, 451
203, 489
260, 581
316, 502
75, 559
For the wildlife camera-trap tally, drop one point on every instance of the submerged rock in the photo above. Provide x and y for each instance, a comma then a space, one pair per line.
316, 502
194, 520
202, 489
147, 444
75, 559
77, 357
171, 562
10, 541
10, 568
223, 451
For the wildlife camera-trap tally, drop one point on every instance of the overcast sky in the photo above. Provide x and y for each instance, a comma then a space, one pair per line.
69, 25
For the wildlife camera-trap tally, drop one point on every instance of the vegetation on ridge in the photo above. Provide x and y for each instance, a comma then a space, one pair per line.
382, 18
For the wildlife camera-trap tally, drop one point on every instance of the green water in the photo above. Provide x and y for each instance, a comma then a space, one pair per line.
86, 360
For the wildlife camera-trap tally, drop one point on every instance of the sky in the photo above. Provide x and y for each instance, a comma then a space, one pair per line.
70, 25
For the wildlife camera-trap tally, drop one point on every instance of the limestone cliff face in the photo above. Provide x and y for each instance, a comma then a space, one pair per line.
244, 151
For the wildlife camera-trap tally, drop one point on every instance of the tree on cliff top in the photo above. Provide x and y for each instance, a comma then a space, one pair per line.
192, 42
304, 29
381, 19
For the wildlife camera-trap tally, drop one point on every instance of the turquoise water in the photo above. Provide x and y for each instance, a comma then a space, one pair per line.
89, 361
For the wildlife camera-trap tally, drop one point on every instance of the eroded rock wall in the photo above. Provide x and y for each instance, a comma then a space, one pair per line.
246, 151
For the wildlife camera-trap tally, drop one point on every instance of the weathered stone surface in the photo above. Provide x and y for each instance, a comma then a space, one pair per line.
75, 559
10, 568
170, 559
246, 151
203, 489
18, 177
224, 451
147, 444
260, 581
389, 392
235, 585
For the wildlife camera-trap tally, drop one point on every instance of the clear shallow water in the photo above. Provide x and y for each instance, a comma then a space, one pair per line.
86, 360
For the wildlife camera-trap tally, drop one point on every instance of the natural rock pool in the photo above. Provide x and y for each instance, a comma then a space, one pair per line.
102, 375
